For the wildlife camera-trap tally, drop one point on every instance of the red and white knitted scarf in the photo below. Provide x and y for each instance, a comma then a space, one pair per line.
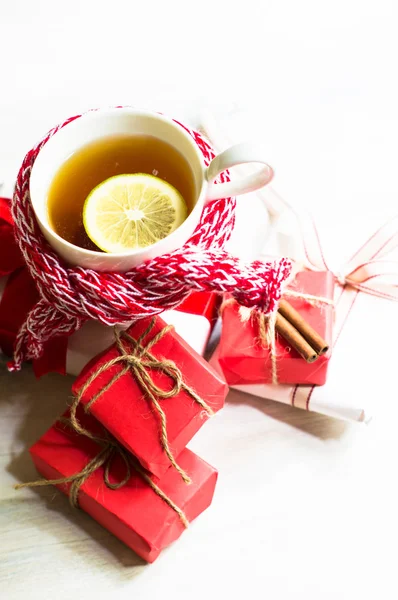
71, 295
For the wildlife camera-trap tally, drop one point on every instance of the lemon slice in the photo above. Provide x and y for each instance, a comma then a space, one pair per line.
127, 212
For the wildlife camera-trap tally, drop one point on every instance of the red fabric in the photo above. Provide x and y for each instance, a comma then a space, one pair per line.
20, 295
133, 513
18, 298
129, 415
244, 361
53, 359
10, 255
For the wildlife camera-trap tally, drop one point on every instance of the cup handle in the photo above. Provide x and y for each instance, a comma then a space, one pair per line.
246, 152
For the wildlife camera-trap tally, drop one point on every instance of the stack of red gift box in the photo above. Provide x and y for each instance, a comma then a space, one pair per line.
121, 447
120, 451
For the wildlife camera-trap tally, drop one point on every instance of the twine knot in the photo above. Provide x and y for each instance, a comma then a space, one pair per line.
267, 324
136, 358
110, 449
134, 361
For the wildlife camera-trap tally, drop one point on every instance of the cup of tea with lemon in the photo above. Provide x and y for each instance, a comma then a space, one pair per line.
119, 186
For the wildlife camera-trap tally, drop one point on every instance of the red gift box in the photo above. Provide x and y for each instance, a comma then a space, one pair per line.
134, 513
129, 413
245, 361
205, 304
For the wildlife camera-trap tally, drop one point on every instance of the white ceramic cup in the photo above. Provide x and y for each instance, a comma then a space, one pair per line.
103, 123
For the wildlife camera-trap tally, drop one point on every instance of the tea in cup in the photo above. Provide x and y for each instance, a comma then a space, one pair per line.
130, 182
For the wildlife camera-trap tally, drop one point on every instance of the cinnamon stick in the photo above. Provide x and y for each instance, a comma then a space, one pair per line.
309, 334
294, 338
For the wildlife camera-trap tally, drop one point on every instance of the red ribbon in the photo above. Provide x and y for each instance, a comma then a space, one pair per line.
19, 296
370, 270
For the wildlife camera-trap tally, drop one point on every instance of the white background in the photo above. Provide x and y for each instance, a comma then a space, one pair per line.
305, 506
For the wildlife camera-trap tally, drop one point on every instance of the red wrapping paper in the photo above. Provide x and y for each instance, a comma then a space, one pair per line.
205, 304
133, 513
243, 359
129, 415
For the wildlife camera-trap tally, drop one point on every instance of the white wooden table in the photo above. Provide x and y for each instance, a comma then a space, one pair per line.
305, 506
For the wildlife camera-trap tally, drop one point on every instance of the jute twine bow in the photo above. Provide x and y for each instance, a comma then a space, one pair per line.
140, 362
110, 448
266, 323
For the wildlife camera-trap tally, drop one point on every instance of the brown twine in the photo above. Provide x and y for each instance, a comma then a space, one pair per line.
140, 362
266, 323
110, 448
314, 300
